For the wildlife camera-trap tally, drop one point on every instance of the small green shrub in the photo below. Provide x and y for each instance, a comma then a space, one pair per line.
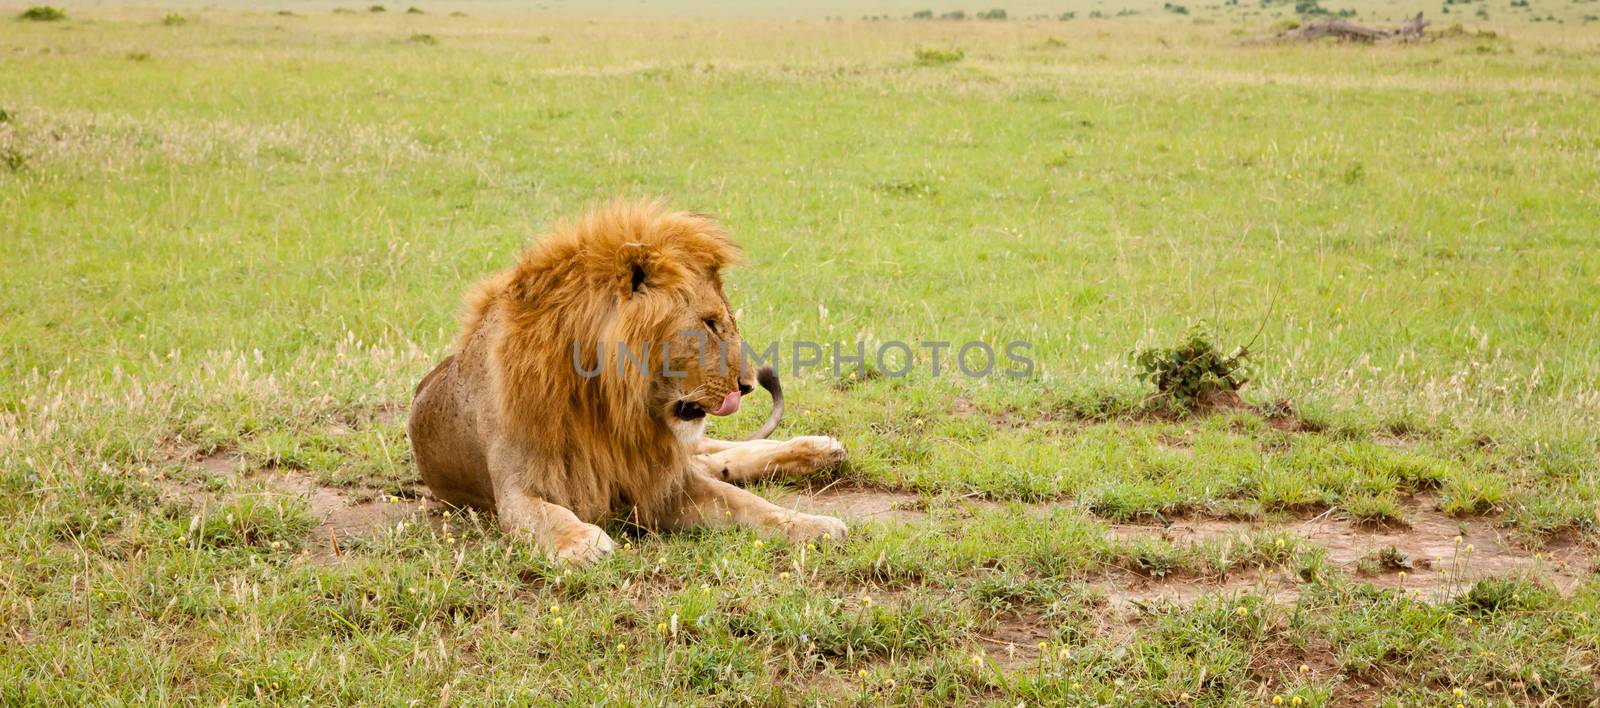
1472, 494
42, 13
377, 8
1175, 9
13, 160
174, 20
956, 15
995, 14
1379, 510
414, 10
1503, 595
1194, 373
1388, 559
922, 15
253, 522
422, 38
929, 56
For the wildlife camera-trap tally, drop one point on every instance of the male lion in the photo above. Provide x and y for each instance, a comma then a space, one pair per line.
542, 416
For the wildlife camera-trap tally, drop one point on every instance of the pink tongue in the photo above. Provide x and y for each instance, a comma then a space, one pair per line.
730, 405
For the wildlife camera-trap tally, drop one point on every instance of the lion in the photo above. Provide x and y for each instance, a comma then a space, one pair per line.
579, 385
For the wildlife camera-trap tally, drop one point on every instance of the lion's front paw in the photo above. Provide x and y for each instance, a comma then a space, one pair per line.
810, 527
822, 451
583, 544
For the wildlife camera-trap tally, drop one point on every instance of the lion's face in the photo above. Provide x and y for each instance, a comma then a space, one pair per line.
707, 371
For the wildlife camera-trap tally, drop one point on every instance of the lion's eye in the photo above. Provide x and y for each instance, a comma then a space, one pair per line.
711, 325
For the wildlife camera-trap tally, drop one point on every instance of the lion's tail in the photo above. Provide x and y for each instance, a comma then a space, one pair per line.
769, 381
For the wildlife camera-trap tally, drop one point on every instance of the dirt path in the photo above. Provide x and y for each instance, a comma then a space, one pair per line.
1440, 566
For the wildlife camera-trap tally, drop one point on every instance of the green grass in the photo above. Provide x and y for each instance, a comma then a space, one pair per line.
241, 236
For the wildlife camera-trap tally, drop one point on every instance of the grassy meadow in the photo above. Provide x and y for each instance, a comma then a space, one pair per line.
234, 240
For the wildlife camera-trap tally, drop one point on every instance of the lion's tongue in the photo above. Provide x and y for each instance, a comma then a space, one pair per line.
730, 404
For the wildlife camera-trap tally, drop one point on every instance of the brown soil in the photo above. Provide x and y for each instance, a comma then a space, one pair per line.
341, 512
1440, 567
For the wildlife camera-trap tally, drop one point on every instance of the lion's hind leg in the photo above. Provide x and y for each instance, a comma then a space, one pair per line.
759, 459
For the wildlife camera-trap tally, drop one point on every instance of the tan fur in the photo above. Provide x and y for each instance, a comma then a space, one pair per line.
506, 422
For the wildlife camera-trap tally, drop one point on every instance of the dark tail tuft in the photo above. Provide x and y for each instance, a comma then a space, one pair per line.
769, 381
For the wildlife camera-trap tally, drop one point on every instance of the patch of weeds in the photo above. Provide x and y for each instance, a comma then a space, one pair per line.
174, 20
932, 56
138, 56
1011, 592
888, 560
1194, 374
414, 10
423, 38
374, 595
1354, 172
42, 13
1152, 558
1552, 511
1266, 548
906, 188
1175, 9
857, 376
5, 116
14, 160
1492, 595
1375, 510
1472, 494
1311, 565
1127, 501
253, 521
285, 13
711, 669
377, 8
995, 14
821, 629
1287, 490
1385, 560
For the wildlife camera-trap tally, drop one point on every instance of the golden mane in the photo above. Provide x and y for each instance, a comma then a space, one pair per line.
626, 274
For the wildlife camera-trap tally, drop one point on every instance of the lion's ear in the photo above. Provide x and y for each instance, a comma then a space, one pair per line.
636, 267
638, 277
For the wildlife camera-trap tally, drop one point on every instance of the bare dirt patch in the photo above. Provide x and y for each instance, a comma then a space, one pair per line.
341, 512
1440, 567
854, 503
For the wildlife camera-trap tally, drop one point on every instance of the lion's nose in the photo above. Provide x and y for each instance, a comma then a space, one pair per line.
745, 389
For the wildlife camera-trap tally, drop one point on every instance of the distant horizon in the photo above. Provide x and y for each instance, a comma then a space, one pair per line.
1027, 10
